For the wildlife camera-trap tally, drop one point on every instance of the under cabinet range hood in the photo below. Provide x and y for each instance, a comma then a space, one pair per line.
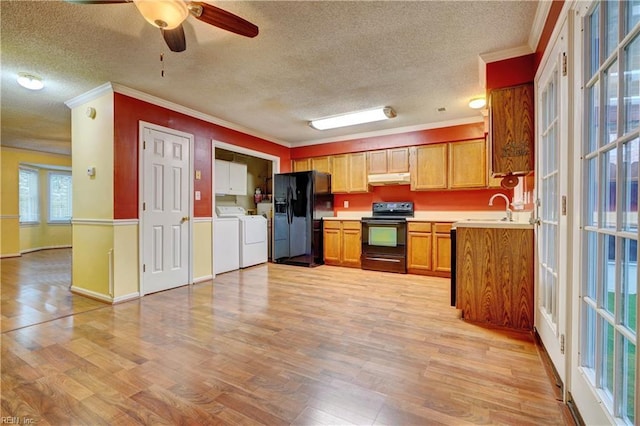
389, 179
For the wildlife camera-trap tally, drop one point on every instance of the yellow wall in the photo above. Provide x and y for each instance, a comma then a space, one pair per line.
10, 239
126, 275
202, 246
92, 146
92, 243
93, 227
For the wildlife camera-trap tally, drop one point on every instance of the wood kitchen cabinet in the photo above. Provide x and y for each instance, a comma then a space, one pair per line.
494, 269
429, 167
342, 242
394, 160
301, 164
349, 173
468, 164
511, 130
321, 164
429, 248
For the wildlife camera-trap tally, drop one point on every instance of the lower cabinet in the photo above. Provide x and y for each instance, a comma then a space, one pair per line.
494, 282
429, 248
342, 242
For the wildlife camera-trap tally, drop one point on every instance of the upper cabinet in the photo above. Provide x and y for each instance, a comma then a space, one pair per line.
349, 173
301, 164
321, 164
429, 167
511, 130
468, 164
454, 165
231, 178
394, 160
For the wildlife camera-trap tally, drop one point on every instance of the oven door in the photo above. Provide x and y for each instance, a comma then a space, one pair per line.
384, 245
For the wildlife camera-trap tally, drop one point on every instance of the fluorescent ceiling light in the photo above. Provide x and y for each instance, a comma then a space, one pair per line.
165, 14
477, 103
359, 117
29, 81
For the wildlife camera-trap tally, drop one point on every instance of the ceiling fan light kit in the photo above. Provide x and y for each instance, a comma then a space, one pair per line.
168, 15
30, 81
164, 14
352, 118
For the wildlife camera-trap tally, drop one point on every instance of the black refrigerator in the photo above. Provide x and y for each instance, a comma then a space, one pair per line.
301, 200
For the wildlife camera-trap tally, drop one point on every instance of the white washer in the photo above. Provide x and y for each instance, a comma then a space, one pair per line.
253, 238
226, 244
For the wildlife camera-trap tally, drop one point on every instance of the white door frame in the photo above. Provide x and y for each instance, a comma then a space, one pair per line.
142, 125
552, 336
275, 161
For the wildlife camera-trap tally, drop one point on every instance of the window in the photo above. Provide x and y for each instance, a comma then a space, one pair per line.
59, 197
28, 195
610, 156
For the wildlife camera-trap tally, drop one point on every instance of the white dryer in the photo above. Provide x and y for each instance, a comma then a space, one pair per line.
253, 240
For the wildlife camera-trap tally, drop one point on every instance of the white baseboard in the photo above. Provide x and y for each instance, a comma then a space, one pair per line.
202, 279
31, 250
92, 294
105, 297
126, 297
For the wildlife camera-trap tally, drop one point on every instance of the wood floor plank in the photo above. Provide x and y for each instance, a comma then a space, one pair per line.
267, 345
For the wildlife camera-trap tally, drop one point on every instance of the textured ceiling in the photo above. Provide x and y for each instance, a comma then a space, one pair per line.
311, 59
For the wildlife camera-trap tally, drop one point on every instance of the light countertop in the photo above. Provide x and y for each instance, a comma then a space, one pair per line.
478, 219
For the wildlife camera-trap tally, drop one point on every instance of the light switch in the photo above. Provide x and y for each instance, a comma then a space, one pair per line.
345, 204
197, 195
91, 171
198, 175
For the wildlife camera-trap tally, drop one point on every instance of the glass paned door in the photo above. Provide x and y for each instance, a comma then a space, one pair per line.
609, 155
551, 187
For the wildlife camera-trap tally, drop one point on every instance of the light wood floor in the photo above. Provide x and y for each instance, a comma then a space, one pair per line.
273, 345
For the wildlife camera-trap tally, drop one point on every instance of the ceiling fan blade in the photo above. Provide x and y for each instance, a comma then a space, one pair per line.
175, 39
222, 19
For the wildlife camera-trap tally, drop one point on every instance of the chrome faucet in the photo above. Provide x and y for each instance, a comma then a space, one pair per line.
506, 199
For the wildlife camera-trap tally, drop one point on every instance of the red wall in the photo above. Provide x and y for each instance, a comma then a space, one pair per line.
552, 19
129, 112
473, 199
422, 137
510, 72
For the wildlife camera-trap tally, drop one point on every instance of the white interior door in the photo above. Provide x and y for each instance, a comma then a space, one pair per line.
551, 186
166, 210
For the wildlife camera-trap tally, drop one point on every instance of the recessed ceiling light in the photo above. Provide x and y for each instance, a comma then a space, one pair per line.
477, 103
30, 81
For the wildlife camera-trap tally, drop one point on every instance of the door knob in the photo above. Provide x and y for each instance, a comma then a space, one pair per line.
184, 219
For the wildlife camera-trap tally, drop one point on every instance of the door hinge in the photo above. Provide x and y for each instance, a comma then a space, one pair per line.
144, 268
144, 144
562, 344
564, 64
564, 205
144, 206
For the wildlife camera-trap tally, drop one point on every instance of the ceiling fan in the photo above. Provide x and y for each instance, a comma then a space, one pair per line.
168, 15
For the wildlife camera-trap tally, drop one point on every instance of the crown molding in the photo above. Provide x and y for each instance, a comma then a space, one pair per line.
501, 55
542, 11
90, 95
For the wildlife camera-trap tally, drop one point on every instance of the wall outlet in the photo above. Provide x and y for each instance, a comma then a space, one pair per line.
198, 196
345, 204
